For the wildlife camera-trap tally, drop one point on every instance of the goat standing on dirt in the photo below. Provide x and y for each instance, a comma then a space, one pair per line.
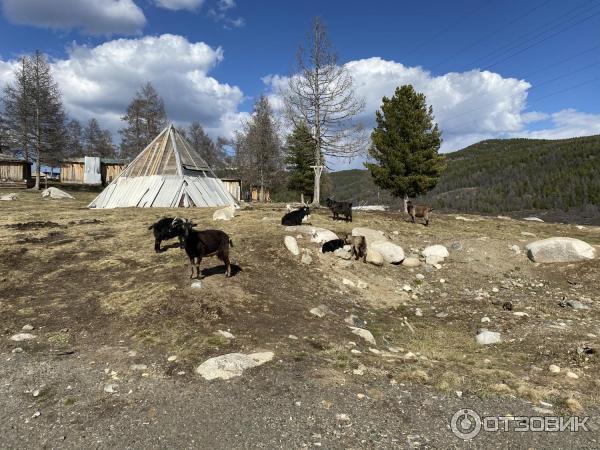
359, 246
166, 228
198, 244
295, 217
337, 208
420, 211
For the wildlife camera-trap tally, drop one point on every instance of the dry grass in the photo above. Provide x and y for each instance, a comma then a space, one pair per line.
95, 273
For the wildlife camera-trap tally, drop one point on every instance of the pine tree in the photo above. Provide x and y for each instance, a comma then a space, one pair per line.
16, 100
405, 145
145, 117
97, 142
74, 139
204, 145
258, 149
299, 157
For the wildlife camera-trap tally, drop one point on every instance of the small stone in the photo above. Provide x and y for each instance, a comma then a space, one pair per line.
442, 280
409, 356
342, 417
572, 375
406, 288
291, 336
36, 414
36, 393
320, 311
306, 259
365, 334
225, 334
362, 285
360, 396
375, 351
355, 351
495, 289
418, 312
420, 276
544, 411
441, 315
172, 358
485, 319
22, 337
347, 282
554, 368
17, 350
360, 370
411, 261
110, 388
576, 304
138, 367
486, 337
520, 314
27, 327
197, 284
291, 244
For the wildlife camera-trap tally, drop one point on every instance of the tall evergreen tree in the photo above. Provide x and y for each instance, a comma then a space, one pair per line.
16, 99
258, 149
97, 142
74, 139
405, 145
299, 157
205, 146
4, 145
145, 118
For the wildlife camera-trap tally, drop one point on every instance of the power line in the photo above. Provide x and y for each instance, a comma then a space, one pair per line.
488, 35
543, 40
535, 33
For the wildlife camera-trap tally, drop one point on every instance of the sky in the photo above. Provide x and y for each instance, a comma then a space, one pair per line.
489, 68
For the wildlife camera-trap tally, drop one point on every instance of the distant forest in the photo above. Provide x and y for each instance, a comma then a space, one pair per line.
501, 176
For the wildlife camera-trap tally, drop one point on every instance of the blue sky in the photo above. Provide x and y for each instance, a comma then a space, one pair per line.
497, 68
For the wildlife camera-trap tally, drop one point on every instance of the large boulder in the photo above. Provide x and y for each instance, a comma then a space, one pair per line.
559, 249
390, 252
226, 213
292, 245
322, 235
231, 365
371, 235
55, 193
435, 254
374, 257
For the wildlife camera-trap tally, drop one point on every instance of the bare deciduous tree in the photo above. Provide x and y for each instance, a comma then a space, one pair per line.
320, 94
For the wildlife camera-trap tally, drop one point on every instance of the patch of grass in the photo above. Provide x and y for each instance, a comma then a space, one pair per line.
60, 339
69, 401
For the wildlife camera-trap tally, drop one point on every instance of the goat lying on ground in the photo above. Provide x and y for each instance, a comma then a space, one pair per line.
332, 245
337, 208
295, 217
420, 211
359, 246
198, 244
166, 228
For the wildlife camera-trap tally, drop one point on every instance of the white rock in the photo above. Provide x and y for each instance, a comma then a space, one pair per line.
375, 351
409, 356
348, 282
516, 249
533, 219
306, 258
55, 193
486, 337
197, 284
343, 253
559, 249
22, 337
226, 213
390, 252
437, 251
172, 358
27, 327
411, 261
361, 284
342, 417
554, 368
485, 319
374, 257
231, 365
520, 314
138, 367
320, 311
544, 411
292, 245
225, 334
9, 197
420, 276
418, 312
572, 375
322, 235
110, 388
370, 235
466, 219
365, 334
442, 280
406, 288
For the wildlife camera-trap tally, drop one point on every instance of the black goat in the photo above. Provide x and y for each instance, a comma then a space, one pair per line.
332, 245
295, 217
337, 208
167, 228
198, 244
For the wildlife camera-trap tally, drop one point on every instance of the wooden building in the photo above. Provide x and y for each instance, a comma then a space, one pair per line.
255, 194
73, 171
14, 172
234, 186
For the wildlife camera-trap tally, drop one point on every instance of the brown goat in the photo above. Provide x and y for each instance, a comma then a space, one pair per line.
359, 246
420, 211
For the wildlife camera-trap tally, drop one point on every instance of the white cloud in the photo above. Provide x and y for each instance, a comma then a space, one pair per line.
100, 81
566, 123
224, 5
91, 16
176, 5
220, 14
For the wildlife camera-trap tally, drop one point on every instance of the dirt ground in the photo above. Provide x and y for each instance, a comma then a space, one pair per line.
109, 314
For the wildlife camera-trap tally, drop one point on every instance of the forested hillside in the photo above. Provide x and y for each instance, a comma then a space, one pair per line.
505, 176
